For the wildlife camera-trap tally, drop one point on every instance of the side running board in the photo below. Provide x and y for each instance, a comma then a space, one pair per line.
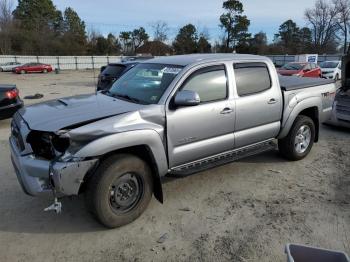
221, 159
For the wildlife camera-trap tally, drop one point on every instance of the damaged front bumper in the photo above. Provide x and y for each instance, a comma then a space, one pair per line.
40, 176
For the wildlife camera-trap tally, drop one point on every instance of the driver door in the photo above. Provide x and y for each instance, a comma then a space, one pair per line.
196, 132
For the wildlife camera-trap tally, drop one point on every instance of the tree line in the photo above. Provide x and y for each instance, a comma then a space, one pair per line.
37, 27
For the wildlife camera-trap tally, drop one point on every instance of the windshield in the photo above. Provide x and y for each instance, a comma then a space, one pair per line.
329, 64
293, 66
145, 83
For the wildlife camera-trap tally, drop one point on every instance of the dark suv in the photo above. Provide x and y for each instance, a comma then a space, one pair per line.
112, 72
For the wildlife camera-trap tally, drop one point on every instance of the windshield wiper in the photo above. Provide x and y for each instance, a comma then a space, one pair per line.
127, 97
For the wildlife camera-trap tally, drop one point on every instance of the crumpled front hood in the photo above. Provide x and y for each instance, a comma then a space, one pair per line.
57, 114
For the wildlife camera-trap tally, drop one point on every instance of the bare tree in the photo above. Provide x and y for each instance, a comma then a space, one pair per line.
324, 25
6, 23
160, 31
343, 8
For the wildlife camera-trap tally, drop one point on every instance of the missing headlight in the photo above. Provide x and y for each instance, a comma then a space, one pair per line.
47, 145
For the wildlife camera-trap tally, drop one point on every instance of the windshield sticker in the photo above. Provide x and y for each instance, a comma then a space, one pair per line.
171, 70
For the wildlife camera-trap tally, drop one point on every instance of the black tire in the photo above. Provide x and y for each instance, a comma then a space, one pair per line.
103, 204
1, 70
336, 78
287, 145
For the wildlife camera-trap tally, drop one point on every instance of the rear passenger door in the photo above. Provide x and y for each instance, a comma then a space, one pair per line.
258, 104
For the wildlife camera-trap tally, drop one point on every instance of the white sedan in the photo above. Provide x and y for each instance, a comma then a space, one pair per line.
331, 69
7, 67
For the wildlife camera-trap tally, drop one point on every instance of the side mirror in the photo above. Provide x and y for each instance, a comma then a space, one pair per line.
187, 98
306, 70
102, 68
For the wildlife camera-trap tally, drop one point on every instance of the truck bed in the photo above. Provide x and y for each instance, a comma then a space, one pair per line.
288, 83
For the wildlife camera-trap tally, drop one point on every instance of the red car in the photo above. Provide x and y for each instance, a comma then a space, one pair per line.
301, 70
32, 68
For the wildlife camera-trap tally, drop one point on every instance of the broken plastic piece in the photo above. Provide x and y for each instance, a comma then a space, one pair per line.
56, 206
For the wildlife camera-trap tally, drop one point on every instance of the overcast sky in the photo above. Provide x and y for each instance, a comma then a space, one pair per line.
115, 16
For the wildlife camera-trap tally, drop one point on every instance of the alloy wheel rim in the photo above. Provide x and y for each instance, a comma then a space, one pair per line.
302, 139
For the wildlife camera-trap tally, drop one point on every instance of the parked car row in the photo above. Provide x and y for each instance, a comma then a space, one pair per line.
19, 68
326, 69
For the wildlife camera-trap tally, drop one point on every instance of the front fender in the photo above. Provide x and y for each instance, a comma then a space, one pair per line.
291, 113
127, 139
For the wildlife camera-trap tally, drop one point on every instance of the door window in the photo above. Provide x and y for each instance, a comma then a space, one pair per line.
251, 78
210, 83
307, 67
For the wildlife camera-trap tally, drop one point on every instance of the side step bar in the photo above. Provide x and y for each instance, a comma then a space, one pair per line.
221, 159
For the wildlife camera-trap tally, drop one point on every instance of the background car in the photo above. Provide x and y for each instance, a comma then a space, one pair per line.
301, 70
32, 68
112, 72
136, 58
10, 101
7, 67
331, 69
341, 106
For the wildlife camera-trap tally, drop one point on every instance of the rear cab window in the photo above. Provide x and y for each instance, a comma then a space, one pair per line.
252, 78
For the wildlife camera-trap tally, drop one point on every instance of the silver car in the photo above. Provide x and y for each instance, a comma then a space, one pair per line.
7, 67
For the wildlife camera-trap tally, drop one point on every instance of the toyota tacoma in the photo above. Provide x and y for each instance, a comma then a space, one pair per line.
173, 116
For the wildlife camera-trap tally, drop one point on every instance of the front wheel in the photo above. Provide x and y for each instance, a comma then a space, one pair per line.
45, 71
120, 190
299, 141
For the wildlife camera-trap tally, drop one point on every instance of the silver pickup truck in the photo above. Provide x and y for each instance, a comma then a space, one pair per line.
173, 115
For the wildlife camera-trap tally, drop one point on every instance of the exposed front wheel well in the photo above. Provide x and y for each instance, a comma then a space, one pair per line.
313, 113
144, 153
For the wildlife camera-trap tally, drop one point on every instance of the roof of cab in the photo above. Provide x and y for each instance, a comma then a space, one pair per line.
184, 60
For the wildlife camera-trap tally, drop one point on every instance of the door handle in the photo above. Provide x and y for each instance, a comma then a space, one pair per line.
272, 101
226, 110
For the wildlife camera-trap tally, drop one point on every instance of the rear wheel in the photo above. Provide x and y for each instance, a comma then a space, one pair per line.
299, 141
120, 190
22, 72
45, 71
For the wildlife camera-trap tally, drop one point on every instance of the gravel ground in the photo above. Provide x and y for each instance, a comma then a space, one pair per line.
244, 211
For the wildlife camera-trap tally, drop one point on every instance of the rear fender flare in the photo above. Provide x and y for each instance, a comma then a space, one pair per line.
289, 119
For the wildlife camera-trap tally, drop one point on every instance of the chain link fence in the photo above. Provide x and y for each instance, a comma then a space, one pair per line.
95, 62
65, 62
